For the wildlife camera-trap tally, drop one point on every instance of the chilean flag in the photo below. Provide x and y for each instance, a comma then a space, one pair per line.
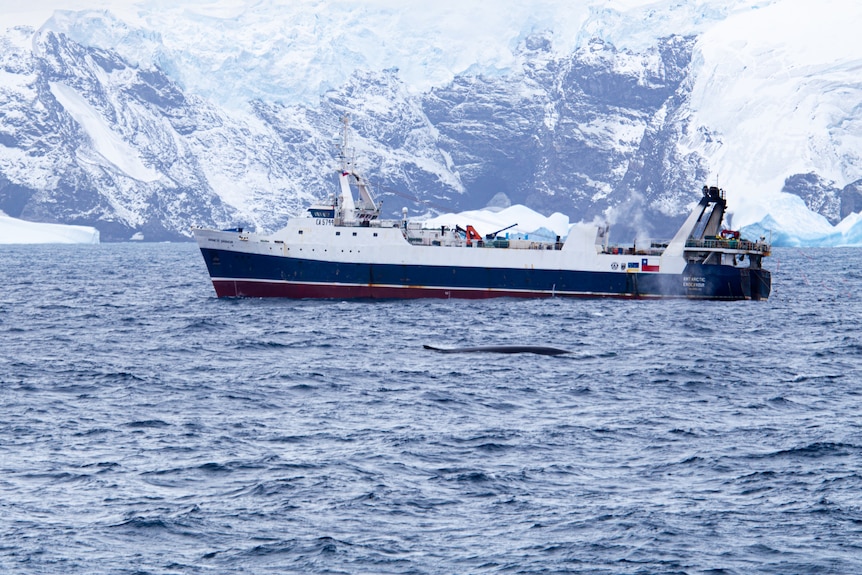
645, 267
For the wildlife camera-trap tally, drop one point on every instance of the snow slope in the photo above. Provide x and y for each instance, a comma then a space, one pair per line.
778, 92
111, 147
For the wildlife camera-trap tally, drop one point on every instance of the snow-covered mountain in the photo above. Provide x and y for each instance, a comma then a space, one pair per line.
152, 116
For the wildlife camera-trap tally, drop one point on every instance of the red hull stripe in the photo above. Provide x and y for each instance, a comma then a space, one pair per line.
251, 288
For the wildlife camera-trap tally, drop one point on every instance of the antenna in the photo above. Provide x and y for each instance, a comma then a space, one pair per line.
345, 142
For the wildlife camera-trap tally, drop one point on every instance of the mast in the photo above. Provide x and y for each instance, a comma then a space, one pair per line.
366, 207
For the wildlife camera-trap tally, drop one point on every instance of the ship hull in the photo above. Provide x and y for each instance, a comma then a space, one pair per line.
242, 274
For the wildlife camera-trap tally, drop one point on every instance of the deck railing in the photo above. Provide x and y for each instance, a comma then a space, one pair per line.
657, 248
745, 245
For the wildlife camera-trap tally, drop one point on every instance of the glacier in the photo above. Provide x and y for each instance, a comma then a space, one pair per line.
183, 112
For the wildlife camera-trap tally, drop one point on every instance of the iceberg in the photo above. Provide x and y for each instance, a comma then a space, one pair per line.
15, 231
523, 222
789, 223
848, 232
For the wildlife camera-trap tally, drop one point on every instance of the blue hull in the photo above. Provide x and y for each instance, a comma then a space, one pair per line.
249, 275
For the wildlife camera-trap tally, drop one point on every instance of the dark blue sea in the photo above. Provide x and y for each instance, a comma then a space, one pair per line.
149, 428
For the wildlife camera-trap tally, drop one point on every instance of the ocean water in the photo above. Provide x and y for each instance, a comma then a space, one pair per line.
149, 428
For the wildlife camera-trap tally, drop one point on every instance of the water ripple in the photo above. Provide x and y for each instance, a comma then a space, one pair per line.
148, 427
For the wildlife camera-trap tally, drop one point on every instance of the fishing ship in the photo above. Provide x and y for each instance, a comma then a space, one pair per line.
343, 249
